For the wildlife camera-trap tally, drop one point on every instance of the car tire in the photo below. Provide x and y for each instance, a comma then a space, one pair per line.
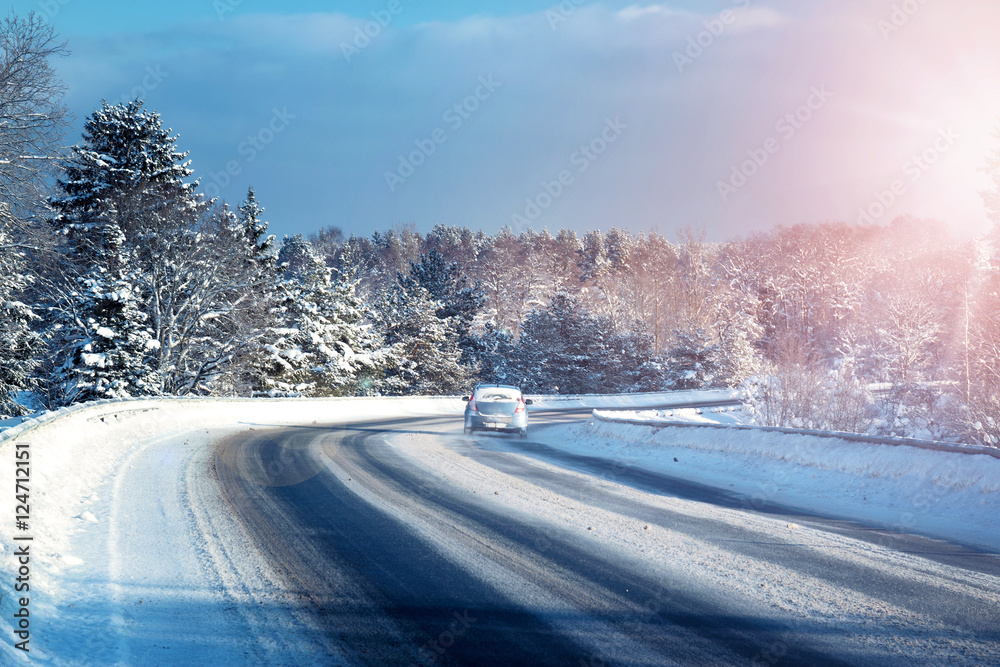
523, 433
466, 430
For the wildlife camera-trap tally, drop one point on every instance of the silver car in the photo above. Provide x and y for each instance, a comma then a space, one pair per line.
496, 407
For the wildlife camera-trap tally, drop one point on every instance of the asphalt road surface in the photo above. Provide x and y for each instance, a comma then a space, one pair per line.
410, 543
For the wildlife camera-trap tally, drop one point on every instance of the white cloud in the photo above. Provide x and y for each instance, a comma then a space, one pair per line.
753, 18
634, 12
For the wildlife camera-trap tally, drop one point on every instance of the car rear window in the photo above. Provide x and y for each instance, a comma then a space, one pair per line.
497, 394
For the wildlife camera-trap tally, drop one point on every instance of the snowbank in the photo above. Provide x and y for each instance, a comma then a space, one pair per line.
943, 491
732, 418
588, 401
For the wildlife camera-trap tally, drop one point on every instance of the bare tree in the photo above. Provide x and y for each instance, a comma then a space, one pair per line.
32, 116
31, 122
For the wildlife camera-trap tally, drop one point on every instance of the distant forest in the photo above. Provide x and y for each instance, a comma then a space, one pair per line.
119, 279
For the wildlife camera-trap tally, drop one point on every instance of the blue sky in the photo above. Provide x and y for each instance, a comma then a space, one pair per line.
734, 115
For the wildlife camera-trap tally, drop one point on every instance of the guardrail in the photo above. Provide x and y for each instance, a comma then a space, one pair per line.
839, 435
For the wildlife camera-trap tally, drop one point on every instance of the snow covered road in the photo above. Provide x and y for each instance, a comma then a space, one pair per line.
413, 544
266, 533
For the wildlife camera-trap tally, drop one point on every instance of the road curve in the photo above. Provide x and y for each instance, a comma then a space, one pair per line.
409, 543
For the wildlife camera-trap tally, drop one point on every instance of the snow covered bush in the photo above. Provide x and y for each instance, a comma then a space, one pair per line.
799, 391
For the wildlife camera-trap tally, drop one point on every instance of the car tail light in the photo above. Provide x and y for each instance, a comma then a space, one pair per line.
472, 405
520, 406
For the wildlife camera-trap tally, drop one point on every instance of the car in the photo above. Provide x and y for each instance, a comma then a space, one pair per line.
496, 407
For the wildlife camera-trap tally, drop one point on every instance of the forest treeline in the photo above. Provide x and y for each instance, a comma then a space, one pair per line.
118, 279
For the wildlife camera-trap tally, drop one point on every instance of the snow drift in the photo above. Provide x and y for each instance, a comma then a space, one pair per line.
940, 490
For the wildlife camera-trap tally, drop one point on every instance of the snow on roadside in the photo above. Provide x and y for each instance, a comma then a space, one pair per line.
596, 401
946, 495
11, 422
729, 415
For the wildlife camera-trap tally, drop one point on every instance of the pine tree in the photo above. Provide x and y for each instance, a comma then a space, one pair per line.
127, 172
631, 364
494, 351
110, 355
253, 227
427, 358
130, 220
694, 360
458, 301
200, 272
321, 344
560, 349
19, 343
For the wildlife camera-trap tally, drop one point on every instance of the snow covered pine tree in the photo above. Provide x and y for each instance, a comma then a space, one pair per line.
427, 358
112, 359
122, 189
458, 300
19, 343
321, 343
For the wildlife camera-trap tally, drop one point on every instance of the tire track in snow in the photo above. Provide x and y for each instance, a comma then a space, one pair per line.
251, 588
596, 604
398, 530
909, 580
962, 630
186, 586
